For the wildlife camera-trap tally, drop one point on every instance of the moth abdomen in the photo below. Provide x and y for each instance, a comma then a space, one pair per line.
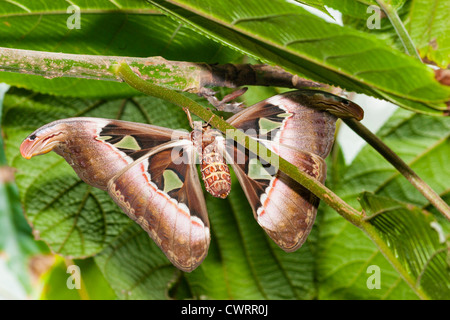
215, 172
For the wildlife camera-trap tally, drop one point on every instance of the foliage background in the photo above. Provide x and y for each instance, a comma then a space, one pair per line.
117, 258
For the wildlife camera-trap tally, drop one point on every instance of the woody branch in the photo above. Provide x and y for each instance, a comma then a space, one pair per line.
174, 75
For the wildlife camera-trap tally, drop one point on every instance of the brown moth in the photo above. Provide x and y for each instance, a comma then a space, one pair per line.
150, 171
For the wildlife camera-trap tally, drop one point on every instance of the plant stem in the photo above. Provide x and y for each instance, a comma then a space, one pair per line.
400, 29
400, 165
175, 75
316, 187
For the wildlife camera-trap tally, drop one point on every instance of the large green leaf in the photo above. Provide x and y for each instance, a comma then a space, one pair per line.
308, 45
134, 266
281, 33
412, 236
345, 254
119, 28
371, 19
421, 141
425, 21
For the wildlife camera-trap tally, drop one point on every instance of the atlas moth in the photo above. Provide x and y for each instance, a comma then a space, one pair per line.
150, 171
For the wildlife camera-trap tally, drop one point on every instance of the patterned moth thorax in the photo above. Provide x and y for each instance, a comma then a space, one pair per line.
210, 146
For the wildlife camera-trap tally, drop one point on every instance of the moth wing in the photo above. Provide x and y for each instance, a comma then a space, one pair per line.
284, 209
287, 119
149, 172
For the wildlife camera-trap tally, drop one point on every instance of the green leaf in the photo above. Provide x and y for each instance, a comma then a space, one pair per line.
353, 8
16, 241
306, 45
136, 30
425, 21
55, 283
318, 4
414, 239
421, 141
428, 26
309, 46
372, 20
135, 267
344, 257
120, 28
75, 280
345, 252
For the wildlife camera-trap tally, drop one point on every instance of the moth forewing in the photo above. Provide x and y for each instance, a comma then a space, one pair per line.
267, 153
174, 145
261, 165
235, 149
